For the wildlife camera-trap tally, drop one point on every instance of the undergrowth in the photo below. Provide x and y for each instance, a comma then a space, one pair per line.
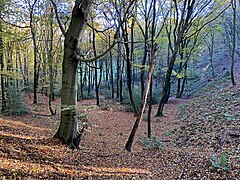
15, 104
150, 143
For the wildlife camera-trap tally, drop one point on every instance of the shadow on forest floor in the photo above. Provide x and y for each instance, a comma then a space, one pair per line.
190, 132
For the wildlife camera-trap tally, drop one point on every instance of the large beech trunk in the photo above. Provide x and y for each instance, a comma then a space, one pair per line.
68, 129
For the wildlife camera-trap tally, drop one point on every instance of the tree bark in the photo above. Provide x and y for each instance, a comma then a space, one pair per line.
153, 30
234, 42
4, 102
129, 68
211, 51
111, 68
181, 27
149, 131
128, 145
50, 64
33, 33
95, 69
167, 85
68, 130
184, 80
81, 81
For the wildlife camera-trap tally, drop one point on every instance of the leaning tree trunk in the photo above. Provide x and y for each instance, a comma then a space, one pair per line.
68, 130
128, 145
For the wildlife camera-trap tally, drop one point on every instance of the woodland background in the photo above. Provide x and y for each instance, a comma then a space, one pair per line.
190, 128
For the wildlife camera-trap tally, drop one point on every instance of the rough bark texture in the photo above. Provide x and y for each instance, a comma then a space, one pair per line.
68, 130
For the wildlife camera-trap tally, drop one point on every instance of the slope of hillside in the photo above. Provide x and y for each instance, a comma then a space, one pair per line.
198, 138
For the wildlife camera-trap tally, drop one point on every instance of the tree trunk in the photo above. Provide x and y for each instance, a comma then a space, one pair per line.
21, 67
149, 131
146, 46
234, 42
50, 64
111, 69
4, 102
128, 145
25, 66
18, 58
144, 60
179, 79
153, 29
211, 53
33, 33
180, 29
95, 70
121, 81
119, 73
81, 81
89, 80
118, 70
132, 45
167, 85
107, 74
184, 80
68, 130
129, 69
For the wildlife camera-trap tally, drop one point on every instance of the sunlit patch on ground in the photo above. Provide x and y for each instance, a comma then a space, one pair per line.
55, 169
27, 149
17, 125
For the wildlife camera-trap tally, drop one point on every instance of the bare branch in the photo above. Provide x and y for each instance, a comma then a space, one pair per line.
58, 19
94, 67
102, 55
99, 31
208, 22
99, 57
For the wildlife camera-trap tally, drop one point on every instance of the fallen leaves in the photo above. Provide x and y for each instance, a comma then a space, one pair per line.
27, 149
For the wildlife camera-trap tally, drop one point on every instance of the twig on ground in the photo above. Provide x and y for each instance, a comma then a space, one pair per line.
180, 175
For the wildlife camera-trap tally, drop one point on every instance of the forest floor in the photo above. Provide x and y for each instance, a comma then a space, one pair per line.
197, 138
